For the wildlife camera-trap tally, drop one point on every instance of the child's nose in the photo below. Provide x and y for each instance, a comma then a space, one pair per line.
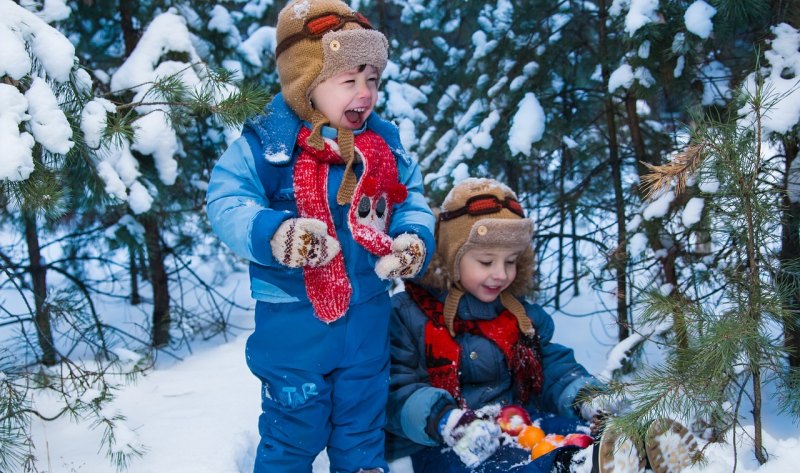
363, 88
500, 272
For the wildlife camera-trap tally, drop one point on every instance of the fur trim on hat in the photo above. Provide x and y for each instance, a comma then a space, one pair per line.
345, 50
508, 233
309, 61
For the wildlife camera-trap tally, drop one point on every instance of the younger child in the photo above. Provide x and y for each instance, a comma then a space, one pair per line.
321, 198
464, 343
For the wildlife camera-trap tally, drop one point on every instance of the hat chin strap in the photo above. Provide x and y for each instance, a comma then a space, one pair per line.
508, 300
515, 306
345, 140
451, 305
349, 181
318, 120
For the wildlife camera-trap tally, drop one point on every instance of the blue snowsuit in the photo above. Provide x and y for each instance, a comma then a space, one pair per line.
323, 385
415, 405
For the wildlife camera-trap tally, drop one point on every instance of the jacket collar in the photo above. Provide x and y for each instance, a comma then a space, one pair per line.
472, 308
278, 126
277, 129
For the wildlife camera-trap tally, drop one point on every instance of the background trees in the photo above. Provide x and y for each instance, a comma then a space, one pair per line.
608, 90
113, 122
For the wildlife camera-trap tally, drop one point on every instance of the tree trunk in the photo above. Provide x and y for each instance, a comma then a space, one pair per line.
513, 174
573, 226
758, 437
44, 331
562, 220
134, 274
158, 279
381, 7
130, 34
754, 289
785, 11
790, 252
618, 259
652, 228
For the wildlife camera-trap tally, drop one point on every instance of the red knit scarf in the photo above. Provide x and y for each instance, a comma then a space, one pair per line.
328, 286
443, 353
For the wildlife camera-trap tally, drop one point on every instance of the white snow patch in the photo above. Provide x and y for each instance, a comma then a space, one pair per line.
698, 18
527, 126
659, 207
693, 211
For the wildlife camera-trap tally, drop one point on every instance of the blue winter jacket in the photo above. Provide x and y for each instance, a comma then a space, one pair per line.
250, 193
485, 378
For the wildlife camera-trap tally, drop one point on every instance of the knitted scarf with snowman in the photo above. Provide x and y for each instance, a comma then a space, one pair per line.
318, 39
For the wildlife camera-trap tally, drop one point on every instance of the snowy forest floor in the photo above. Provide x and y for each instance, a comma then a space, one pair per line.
199, 413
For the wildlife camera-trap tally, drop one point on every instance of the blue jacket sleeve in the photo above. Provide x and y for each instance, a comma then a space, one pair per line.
412, 400
564, 377
238, 207
414, 215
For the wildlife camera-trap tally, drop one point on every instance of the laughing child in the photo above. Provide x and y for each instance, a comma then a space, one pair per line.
321, 198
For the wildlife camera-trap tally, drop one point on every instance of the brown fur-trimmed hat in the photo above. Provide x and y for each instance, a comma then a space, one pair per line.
480, 213
318, 39
305, 58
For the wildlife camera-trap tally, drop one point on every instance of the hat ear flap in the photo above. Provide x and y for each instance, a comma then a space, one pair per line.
525, 281
436, 212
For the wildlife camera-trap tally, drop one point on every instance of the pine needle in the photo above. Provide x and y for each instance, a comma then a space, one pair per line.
678, 170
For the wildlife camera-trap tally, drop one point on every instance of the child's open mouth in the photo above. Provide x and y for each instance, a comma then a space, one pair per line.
354, 116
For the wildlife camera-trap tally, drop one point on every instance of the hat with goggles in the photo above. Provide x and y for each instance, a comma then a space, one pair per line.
318, 39
482, 213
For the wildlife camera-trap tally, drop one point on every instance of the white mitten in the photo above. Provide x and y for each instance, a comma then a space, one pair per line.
601, 405
302, 242
597, 407
472, 438
405, 260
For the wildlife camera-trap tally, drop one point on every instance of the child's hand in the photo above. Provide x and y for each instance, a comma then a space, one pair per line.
600, 404
302, 242
472, 438
405, 260
598, 408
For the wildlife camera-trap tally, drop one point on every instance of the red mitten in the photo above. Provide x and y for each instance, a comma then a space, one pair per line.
300, 242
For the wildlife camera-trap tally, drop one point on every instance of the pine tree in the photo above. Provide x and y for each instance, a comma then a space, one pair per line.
65, 194
719, 370
177, 110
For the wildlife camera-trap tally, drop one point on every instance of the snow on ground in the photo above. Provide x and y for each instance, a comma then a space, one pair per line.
199, 415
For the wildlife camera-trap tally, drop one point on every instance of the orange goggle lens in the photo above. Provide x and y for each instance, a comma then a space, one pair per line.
322, 24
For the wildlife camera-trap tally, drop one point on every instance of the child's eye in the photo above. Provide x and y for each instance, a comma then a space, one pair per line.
485, 263
510, 263
373, 79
